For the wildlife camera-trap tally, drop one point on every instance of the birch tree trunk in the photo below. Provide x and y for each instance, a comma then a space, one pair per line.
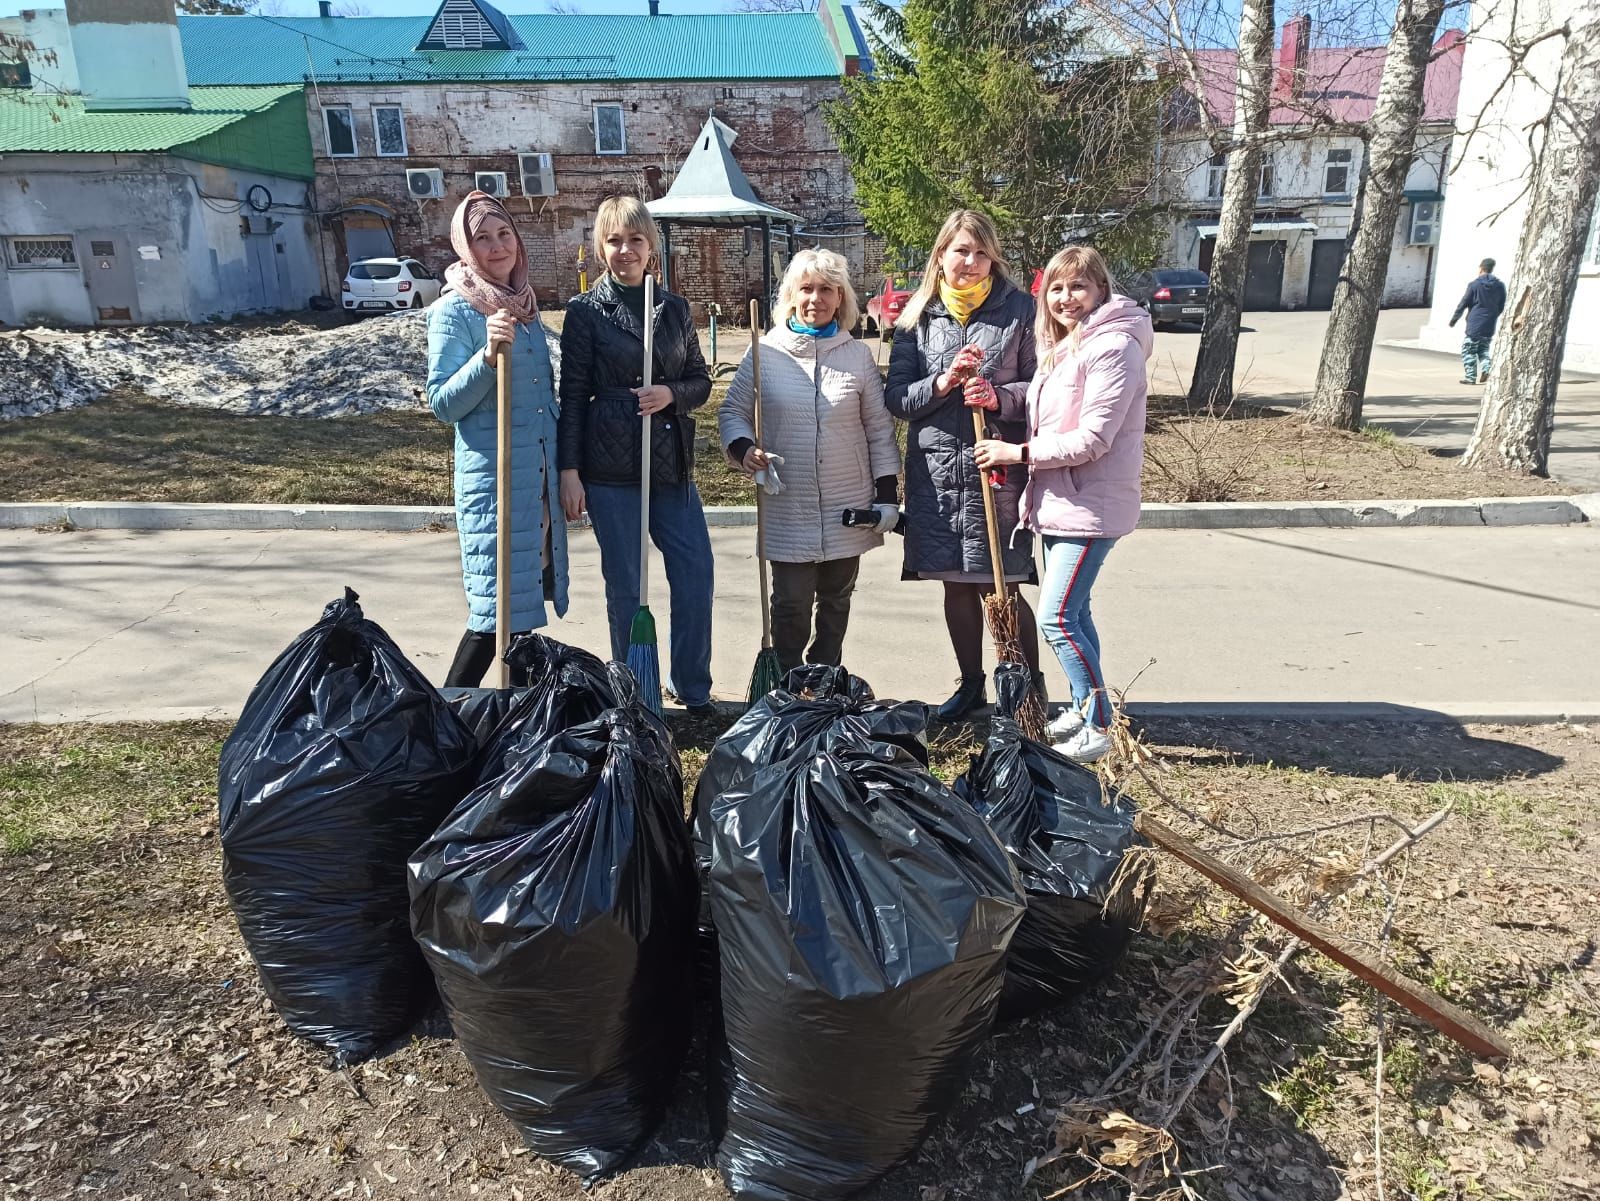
1212, 384
1520, 398
1347, 343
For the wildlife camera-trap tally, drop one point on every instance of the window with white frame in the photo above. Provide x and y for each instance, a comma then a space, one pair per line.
1266, 184
609, 135
341, 130
1336, 173
389, 130
51, 253
1216, 170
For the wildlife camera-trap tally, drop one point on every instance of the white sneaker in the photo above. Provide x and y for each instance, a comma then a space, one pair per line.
1087, 745
1067, 723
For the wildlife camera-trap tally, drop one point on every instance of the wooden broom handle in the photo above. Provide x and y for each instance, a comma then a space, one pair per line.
995, 559
645, 449
502, 521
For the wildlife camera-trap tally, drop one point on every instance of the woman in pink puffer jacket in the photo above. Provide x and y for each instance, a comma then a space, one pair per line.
1084, 453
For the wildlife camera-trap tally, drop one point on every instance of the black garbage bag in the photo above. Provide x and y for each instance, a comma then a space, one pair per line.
344, 759
1067, 840
556, 907
555, 686
863, 913
815, 705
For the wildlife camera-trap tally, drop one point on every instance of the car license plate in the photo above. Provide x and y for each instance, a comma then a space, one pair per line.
1194, 310
383, 304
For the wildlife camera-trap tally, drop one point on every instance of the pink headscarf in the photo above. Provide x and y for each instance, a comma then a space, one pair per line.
468, 278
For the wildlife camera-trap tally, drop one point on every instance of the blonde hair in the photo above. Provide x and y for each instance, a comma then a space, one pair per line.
1073, 262
624, 213
828, 266
963, 221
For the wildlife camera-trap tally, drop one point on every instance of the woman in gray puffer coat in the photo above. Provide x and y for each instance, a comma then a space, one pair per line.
964, 341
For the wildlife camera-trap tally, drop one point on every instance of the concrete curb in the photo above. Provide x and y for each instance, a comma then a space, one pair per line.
1487, 713
1486, 511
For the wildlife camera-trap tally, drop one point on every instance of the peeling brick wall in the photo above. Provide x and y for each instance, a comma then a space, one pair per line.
782, 145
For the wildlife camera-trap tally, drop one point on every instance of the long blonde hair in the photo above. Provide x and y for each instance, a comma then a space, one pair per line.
1073, 262
828, 266
962, 221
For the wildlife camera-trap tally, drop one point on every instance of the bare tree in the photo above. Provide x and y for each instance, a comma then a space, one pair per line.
1347, 342
1219, 338
1513, 430
563, 8
776, 6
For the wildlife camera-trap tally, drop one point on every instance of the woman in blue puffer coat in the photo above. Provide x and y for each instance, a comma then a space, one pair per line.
489, 305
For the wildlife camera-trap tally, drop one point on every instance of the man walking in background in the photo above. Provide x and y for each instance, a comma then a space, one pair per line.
1484, 300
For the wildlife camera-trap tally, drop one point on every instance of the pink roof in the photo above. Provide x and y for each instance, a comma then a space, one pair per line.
1341, 83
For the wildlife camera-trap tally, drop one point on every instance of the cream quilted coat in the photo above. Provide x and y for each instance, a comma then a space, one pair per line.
822, 410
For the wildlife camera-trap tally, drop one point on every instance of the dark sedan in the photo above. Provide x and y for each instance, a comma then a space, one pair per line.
1172, 294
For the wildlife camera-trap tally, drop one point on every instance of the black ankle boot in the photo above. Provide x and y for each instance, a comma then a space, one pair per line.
970, 695
1038, 686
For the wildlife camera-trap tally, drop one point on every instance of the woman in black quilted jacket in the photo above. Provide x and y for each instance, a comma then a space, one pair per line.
964, 341
602, 399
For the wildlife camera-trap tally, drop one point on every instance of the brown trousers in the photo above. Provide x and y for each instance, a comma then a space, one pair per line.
800, 590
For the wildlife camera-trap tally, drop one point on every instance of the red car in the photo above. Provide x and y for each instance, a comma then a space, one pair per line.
884, 305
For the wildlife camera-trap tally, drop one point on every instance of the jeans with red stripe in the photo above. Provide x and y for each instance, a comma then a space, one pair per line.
1070, 568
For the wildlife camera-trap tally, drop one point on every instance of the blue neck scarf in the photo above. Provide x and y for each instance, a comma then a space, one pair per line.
827, 331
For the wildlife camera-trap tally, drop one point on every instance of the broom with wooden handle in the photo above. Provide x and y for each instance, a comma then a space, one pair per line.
1000, 607
502, 516
767, 673
643, 658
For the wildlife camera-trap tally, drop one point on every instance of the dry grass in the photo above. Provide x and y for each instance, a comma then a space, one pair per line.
140, 1060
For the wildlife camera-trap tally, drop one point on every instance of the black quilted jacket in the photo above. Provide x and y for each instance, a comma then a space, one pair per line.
945, 525
602, 358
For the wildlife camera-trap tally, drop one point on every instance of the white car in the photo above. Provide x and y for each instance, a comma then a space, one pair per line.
384, 285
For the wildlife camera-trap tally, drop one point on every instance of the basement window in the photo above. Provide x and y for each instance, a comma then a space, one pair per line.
341, 129
609, 135
54, 253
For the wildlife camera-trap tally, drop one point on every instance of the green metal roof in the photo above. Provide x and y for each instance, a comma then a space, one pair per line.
257, 128
723, 46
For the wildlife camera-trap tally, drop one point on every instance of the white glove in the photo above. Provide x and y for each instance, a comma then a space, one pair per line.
767, 477
888, 518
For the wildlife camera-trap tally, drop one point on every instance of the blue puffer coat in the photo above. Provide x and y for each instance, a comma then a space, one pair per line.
461, 391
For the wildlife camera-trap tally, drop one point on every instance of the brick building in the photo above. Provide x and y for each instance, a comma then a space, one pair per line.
556, 112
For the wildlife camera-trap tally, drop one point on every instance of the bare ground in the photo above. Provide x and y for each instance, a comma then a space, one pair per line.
141, 1060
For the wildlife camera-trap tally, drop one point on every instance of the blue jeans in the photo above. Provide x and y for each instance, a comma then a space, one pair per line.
1070, 568
678, 528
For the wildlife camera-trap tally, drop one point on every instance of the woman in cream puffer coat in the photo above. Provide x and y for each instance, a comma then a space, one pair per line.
832, 440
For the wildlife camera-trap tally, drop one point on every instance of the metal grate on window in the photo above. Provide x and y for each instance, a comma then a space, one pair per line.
42, 252
103, 250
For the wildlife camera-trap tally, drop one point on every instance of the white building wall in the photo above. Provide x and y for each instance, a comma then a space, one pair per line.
1299, 167
1491, 168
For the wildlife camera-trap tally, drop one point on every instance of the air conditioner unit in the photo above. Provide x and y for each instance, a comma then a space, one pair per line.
1424, 223
538, 174
492, 182
425, 183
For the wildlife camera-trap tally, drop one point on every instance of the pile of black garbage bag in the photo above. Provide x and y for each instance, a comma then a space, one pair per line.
1067, 837
851, 926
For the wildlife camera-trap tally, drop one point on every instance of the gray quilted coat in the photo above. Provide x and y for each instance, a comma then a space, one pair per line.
945, 525
822, 410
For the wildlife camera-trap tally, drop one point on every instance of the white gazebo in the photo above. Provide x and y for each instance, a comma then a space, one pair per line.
711, 191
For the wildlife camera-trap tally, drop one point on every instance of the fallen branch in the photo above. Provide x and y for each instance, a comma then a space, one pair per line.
1443, 1015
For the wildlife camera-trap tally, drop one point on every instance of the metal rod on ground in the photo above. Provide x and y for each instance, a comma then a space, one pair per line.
1428, 1005
502, 517
643, 660
766, 675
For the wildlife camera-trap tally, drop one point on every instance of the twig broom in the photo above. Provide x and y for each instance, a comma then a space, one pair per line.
1000, 608
767, 673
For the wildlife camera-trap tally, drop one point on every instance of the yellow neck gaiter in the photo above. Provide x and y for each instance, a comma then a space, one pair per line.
963, 302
